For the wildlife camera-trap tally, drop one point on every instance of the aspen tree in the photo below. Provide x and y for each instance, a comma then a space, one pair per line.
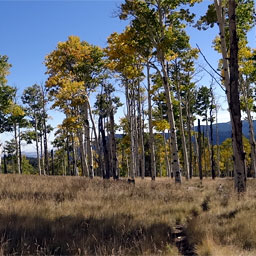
228, 46
124, 59
153, 22
75, 69
32, 99
6, 94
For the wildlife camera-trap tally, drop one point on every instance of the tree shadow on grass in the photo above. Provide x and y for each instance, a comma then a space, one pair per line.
71, 235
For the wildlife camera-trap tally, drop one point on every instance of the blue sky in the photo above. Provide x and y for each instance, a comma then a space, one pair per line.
31, 29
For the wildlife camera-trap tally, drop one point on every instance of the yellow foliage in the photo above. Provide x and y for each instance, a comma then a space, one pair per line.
15, 110
161, 125
122, 54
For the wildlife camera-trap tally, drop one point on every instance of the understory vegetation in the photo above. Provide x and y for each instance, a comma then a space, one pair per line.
42, 215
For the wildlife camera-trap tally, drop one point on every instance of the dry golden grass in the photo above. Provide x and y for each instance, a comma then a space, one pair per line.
79, 216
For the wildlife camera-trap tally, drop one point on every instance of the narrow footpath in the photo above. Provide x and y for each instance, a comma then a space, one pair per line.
180, 239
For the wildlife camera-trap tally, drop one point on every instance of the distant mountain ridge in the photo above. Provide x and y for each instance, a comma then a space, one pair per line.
225, 130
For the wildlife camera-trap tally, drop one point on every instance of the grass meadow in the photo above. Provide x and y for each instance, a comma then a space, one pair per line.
42, 215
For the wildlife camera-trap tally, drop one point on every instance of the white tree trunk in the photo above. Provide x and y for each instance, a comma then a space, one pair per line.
82, 154
175, 150
231, 85
252, 142
183, 138
167, 163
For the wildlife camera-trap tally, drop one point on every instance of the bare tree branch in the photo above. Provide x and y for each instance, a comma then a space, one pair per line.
209, 62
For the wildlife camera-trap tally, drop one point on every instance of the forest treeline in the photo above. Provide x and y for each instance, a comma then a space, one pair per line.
153, 64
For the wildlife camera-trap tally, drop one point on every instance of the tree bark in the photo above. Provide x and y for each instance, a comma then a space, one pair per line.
252, 143
170, 113
82, 154
182, 133
88, 150
150, 125
17, 149
37, 148
42, 153
234, 104
170, 149
141, 134
106, 175
231, 78
52, 162
96, 140
5, 164
113, 145
167, 163
189, 139
200, 152
44, 127
246, 94
175, 150
46, 160
68, 157
211, 134
20, 156
75, 170
217, 143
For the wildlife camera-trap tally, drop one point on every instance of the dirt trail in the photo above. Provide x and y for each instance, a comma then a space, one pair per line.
180, 239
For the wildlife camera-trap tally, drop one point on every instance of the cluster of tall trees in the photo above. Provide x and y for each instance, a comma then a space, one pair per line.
153, 64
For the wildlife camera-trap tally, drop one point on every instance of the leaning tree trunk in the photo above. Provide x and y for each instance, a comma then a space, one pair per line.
189, 139
182, 133
175, 150
96, 141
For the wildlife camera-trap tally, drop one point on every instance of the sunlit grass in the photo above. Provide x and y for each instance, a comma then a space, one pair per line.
75, 215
